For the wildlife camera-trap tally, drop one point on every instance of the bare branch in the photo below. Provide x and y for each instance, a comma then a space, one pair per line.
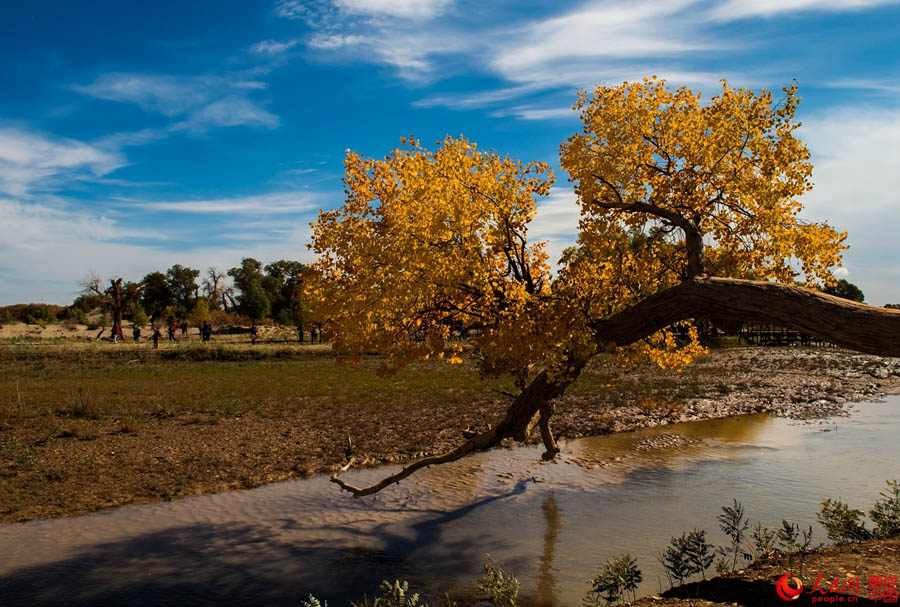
478, 442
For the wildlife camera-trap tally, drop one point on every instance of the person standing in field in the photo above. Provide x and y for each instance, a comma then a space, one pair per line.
136, 333
253, 335
116, 333
300, 334
172, 330
157, 335
184, 328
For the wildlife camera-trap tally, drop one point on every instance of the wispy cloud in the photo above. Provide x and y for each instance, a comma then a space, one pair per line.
597, 41
206, 101
314, 12
538, 113
866, 84
742, 9
408, 9
230, 111
30, 160
167, 95
273, 47
402, 34
276, 203
649, 28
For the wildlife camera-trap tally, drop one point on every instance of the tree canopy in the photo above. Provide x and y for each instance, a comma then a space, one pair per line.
688, 210
847, 290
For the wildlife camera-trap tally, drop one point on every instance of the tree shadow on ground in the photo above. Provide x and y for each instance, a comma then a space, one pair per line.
235, 564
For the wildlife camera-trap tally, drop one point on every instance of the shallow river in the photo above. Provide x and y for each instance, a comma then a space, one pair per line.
551, 524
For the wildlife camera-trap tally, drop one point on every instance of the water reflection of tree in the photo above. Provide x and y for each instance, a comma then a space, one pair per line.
546, 588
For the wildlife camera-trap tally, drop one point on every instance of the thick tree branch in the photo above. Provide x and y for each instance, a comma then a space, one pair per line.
839, 321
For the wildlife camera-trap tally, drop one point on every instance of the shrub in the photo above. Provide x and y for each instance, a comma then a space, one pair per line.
501, 588
220, 318
392, 595
687, 555
618, 577
842, 523
138, 316
763, 541
789, 540
886, 512
734, 524
699, 551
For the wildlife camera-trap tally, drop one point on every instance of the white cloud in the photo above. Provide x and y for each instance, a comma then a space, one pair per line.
30, 160
208, 101
328, 42
276, 203
402, 34
319, 12
857, 189
556, 221
477, 99
408, 9
273, 47
538, 113
597, 41
742, 9
863, 84
230, 111
46, 248
167, 95
650, 28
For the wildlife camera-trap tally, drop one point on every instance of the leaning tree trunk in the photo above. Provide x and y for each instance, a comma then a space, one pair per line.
726, 302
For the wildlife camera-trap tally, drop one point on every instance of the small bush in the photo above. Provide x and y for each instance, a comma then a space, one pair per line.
501, 588
392, 595
687, 555
734, 524
619, 576
794, 541
886, 512
763, 541
842, 523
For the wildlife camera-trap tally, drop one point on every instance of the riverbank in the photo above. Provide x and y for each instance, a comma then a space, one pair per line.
94, 426
854, 566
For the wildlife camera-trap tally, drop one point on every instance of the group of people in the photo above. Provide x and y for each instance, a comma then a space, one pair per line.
313, 335
205, 333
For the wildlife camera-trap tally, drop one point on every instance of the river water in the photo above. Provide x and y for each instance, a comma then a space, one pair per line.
552, 524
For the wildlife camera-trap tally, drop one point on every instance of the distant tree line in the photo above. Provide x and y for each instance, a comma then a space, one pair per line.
253, 291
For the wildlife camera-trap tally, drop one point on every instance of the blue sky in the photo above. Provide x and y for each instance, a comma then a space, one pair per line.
134, 136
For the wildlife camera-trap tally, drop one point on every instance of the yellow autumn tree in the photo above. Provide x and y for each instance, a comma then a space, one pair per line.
689, 209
